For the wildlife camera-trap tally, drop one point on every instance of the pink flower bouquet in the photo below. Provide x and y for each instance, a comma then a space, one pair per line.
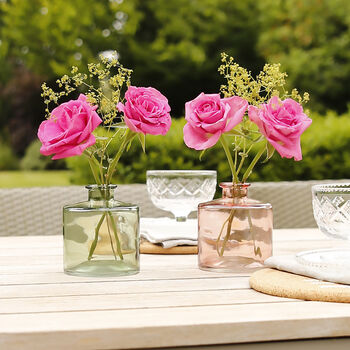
254, 115
251, 115
69, 128
112, 109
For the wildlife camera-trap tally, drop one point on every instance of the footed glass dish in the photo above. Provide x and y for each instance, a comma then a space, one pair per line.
180, 191
101, 235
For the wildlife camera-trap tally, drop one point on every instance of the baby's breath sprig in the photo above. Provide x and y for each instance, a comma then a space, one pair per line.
112, 79
269, 82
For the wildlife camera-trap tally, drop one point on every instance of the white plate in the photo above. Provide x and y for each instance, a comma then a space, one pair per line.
338, 259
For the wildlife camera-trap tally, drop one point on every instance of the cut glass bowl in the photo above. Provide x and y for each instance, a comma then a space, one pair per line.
331, 206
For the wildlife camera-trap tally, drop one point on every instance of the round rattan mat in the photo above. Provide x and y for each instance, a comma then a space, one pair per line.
288, 285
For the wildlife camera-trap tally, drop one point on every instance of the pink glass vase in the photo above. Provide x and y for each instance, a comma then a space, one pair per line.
234, 232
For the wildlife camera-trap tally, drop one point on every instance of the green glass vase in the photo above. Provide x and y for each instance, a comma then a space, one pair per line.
101, 235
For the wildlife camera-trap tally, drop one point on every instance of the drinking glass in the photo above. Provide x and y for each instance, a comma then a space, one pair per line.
180, 191
331, 207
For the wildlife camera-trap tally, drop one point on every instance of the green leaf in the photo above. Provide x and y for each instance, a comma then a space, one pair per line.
269, 152
142, 139
201, 154
129, 145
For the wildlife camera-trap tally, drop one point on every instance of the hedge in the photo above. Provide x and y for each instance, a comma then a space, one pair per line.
325, 146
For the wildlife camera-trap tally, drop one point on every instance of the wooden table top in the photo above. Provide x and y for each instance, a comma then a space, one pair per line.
169, 303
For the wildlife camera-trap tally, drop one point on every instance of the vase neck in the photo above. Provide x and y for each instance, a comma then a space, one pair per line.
233, 190
101, 192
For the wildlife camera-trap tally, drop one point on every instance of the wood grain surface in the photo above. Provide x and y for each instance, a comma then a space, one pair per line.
169, 303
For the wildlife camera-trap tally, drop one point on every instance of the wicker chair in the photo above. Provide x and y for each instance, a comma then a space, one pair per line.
38, 210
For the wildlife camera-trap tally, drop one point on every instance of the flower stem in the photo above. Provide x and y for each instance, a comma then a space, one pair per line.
236, 154
93, 170
129, 135
228, 232
243, 156
115, 231
252, 164
110, 238
257, 250
229, 158
97, 230
219, 237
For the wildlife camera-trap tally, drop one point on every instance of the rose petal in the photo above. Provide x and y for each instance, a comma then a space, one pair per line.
76, 150
199, 140
235, 113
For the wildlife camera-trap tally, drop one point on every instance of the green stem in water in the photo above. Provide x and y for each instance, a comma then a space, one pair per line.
252, 164
115, 231
110, 238
229, 158
257, 250
110, 222
219, 237
97, 230
228, 232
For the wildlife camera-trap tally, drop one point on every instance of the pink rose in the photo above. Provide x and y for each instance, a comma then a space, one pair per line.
209, 116
68, 131
282, 123
146, 110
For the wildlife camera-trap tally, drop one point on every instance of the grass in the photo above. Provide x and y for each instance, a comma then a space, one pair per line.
10, 179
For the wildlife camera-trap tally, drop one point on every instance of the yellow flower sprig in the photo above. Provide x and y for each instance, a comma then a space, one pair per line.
269, 82
106, 96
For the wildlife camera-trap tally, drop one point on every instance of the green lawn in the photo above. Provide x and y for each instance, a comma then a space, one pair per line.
34, 178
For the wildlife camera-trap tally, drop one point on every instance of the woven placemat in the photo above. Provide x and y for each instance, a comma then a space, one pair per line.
288, 285
150, 248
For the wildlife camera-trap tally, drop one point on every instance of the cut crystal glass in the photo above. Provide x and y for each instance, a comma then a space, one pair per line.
180, 191
331, 206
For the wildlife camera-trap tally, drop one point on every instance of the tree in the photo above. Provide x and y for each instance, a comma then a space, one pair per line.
41, 40
173, 45
176, 45
312, 41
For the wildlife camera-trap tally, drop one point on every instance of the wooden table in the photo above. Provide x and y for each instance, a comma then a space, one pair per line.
169, 303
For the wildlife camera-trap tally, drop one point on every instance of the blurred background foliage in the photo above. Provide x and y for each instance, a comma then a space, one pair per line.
325, 155
175, 46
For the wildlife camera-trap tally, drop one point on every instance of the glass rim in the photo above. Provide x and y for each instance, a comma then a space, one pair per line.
181, 172
331, 187
95, 186
227, 184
